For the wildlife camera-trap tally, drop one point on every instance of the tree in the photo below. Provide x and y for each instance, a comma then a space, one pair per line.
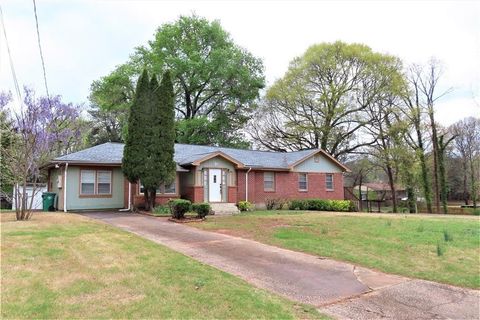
321, 101
41, 129
415, 111
443, 143
106, 126
6, 175
467, 147
161, 147
134, 151
426, 80
212, 77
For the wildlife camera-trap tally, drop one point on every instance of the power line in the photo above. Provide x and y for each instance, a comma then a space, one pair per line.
41, 53
12, 67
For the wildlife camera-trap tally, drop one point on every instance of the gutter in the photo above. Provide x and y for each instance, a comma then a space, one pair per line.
246, 183
65, 187
129, 198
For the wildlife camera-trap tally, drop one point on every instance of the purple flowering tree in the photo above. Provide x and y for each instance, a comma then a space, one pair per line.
42, 128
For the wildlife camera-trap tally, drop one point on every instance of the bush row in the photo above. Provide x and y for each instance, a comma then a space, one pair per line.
301, 204
321, 205
178, 208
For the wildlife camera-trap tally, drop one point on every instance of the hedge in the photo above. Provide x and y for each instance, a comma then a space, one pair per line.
178, 207
321, 205
202, 209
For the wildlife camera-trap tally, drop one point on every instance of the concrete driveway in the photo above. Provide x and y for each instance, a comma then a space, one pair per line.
336, 288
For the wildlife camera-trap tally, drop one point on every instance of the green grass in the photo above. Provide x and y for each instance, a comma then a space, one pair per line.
435, 248
67, 266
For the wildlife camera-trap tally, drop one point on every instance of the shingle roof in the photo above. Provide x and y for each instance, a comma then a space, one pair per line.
111, 153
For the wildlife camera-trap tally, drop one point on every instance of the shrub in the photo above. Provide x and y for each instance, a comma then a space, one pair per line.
321, 205
202, 209
161, 210
275, 203
297, 204
244, 206
178, 207
476, 212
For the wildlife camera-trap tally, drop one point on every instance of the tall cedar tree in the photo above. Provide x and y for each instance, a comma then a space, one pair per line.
161, 138
134, 152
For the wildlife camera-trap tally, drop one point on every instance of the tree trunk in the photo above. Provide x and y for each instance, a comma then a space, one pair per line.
146, 195
153, 195
474, 183
436, 189
360, 205
465, 184
427, 191
443, 182
392, 188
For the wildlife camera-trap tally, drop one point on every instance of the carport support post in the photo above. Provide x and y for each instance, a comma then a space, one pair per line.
65, 188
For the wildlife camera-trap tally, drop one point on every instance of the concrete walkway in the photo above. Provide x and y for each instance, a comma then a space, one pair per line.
336, 288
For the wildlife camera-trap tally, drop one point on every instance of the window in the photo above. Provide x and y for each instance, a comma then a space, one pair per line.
104, 182
170, 188
329, 181
87, 182
316, 158
269, 181
162, 189
302, 182
95, 182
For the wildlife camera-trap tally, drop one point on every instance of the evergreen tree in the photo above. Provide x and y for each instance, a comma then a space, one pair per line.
134, 152
160, 139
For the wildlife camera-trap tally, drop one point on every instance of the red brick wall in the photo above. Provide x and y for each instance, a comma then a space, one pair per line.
286, 186
193, 193
232, 194
139, 200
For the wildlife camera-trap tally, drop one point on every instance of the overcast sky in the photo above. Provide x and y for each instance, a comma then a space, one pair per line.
84, 40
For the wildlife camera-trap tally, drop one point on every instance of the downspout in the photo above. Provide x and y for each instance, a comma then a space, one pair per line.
65, 188
246, 183
129, 197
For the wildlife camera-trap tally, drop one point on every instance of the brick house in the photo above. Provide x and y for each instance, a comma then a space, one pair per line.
92, 178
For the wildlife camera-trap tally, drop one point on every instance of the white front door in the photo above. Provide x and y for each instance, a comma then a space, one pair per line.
214, 183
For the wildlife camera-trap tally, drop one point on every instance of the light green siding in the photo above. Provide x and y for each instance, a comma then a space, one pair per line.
53, 178
323, 165
74, 202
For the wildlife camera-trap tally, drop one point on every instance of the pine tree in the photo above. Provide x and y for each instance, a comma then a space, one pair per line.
134, 152
160, 138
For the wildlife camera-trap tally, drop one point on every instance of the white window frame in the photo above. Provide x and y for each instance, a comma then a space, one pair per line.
97, 174
272, 181
326, 182
306, 181
94, 182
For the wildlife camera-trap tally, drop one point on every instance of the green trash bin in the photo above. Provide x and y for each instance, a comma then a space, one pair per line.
48, 199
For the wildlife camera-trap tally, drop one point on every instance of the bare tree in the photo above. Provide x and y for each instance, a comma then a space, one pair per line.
321, 101
467, 147
425, 85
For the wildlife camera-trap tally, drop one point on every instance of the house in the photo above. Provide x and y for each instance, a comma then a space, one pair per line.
380, 191
93, 179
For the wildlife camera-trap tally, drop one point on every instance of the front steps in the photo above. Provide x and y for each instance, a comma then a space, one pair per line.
224, 208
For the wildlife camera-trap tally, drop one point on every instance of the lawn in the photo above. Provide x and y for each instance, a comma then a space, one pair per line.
438, 248
68, 266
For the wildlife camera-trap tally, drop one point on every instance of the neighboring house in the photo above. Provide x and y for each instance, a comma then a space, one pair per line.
93, 179
380, 191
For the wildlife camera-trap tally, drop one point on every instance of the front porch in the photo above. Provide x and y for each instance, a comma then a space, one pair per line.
212, 180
